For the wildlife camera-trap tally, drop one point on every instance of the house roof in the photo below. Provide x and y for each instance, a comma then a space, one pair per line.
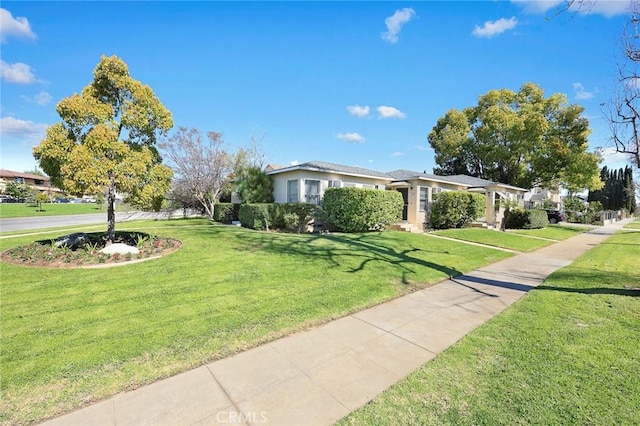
12, 174
323, 166
394, 176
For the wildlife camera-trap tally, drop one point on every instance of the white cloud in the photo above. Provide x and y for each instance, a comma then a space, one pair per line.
14, 127
421, 147
397, 154
389, 112
395, 22
18, 73
14, 27
359, 111
294, 163
581, 94
607, 8
490, 29
351, 137
613, 159
41, 98
634, 83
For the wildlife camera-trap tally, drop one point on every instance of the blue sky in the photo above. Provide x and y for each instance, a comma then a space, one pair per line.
357, 83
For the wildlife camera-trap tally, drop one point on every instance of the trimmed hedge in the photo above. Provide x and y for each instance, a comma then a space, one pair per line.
226, 212
360, 210
290, 216
527, 219
456, 209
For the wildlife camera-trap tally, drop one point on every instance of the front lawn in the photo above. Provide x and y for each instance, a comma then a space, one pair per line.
553, 232
495, 238
565, 354
633, 225
70, 337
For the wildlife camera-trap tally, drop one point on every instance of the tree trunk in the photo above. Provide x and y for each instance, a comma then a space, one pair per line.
111, 214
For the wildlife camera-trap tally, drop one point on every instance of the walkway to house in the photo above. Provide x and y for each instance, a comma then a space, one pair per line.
318, 376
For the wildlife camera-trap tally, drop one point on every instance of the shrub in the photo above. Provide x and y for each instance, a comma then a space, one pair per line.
255, 216
456, 209
290, 216
304, 213
359, 210
226, 212
527, 219
538, 219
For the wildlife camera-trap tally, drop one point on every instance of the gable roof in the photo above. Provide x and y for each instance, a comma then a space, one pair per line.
322, 166
394, 176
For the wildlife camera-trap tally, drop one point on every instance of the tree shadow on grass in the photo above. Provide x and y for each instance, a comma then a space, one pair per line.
594, 282
335, 249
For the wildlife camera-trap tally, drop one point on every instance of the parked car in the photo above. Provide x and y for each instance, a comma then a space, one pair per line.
4, 198
62, 200
555, 216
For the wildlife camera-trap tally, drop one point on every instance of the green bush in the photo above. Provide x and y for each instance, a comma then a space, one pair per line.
527, 219
360, 210
538, 219
255, 216
456, 209
226, 212
290, 216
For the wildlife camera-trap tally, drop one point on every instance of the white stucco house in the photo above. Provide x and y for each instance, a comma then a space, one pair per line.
307, 182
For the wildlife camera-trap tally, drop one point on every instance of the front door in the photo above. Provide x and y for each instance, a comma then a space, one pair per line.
405, 198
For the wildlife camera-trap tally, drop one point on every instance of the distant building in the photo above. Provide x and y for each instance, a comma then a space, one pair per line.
541, 197
38, 182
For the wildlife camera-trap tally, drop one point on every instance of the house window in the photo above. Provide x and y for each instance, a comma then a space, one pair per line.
312, 191
368, 186
382, 187
335, 184
424, 198
349, 185
20, 180
292, 191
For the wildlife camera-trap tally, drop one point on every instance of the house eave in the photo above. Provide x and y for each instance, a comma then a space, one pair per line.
319, 170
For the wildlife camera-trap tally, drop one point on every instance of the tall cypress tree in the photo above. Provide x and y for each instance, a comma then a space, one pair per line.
628, 190
618, 191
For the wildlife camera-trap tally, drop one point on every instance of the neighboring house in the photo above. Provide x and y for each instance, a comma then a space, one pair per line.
537, 197
38, 182
307, 182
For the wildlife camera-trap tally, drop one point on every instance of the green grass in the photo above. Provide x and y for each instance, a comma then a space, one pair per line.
554, 232
633, 225
8, 210
495, 238
70, 337
565, 354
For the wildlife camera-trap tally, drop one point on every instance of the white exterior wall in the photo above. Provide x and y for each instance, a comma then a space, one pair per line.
280, 182
414, 215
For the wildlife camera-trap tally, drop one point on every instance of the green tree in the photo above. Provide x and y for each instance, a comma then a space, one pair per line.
17, 190
106, 141
40, 198
629, 192
253, 185
518, 138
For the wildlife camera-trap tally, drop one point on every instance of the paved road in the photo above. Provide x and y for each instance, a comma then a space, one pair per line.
30, 223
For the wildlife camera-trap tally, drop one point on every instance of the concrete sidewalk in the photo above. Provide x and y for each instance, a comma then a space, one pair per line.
318, 376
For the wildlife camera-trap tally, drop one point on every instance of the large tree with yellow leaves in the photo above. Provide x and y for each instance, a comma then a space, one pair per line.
106, 141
